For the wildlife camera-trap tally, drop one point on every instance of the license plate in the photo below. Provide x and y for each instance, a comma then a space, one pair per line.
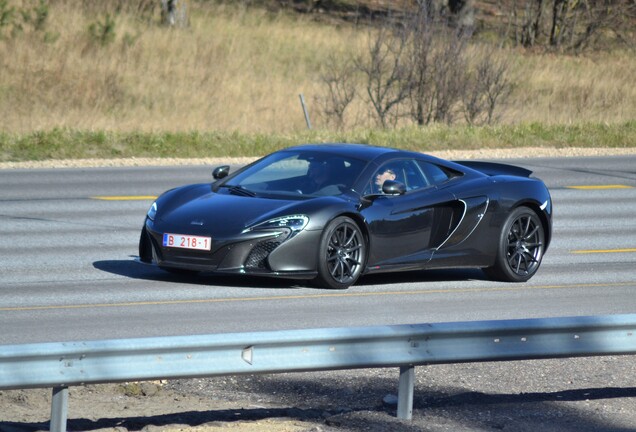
187, 241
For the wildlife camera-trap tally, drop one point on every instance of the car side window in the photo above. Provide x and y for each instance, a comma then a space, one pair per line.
405, 171
434, 174
413, 176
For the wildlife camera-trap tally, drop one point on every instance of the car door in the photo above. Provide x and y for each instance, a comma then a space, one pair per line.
405, 229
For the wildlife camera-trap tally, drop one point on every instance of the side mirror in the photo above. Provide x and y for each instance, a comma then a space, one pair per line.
392, 187
221, 172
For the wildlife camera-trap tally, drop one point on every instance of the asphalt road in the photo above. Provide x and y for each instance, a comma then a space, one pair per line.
68, 269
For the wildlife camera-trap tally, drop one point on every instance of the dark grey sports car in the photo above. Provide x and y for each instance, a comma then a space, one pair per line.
332, 212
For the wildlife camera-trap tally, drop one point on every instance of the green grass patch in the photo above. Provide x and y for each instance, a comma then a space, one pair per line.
77, 144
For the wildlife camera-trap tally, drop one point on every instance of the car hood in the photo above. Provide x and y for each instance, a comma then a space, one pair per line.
220, 214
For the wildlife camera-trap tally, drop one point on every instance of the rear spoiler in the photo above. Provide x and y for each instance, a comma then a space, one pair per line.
494, 169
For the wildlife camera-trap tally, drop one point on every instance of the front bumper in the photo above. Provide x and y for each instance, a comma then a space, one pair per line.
264, 253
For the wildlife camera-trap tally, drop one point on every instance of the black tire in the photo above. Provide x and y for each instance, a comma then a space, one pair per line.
145, 248
342, 254
520, 249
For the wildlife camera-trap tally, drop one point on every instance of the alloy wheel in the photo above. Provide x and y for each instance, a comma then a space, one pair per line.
345, 253
525, 245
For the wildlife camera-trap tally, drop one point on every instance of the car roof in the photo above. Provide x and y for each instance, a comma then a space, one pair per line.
374, 154
359, 151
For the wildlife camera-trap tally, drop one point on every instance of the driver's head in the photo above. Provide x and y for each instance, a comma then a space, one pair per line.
384, 175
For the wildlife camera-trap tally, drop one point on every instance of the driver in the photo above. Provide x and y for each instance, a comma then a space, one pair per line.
382, 176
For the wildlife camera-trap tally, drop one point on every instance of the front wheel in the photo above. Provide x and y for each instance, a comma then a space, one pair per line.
145, 248
342, 254
520, 249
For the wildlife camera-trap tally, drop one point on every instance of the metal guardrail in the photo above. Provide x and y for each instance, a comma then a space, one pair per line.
64, 364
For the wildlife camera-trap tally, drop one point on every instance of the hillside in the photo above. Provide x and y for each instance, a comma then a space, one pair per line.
239, 67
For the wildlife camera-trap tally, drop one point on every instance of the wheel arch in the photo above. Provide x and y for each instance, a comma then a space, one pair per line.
536, 207
359, 220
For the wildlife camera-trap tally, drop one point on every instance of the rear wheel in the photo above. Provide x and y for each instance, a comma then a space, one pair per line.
341, 255
521, 246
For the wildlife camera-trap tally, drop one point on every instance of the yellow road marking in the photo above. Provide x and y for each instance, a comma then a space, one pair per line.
600, 187
125, 197
600, 251
314, 296
151, 197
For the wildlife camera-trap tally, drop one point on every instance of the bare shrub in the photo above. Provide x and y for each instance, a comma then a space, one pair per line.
437, 61
425, 70
338, 77
449, 64
487, 86
386, 74
421, 36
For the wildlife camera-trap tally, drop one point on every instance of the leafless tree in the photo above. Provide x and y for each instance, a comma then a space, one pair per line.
338, 77
438, 59
531, 23
487, 86
421, 68
449, 63
595, 17
421, 29
572, 25
385, 73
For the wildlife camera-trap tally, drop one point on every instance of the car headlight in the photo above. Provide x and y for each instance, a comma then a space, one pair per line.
152, 211
294, 223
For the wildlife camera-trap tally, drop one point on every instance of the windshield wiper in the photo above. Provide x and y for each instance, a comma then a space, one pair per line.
239, 190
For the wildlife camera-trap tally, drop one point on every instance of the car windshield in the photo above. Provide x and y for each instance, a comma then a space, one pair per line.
304, 173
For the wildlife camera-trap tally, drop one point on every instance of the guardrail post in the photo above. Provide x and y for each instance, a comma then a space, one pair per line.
59, 409
405, 392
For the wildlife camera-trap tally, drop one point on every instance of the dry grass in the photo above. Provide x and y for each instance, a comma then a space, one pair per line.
564, 90
242, 70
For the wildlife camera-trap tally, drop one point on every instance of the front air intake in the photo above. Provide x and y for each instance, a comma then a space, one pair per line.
257, 258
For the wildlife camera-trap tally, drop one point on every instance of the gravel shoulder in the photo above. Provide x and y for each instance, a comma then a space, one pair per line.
449, 154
